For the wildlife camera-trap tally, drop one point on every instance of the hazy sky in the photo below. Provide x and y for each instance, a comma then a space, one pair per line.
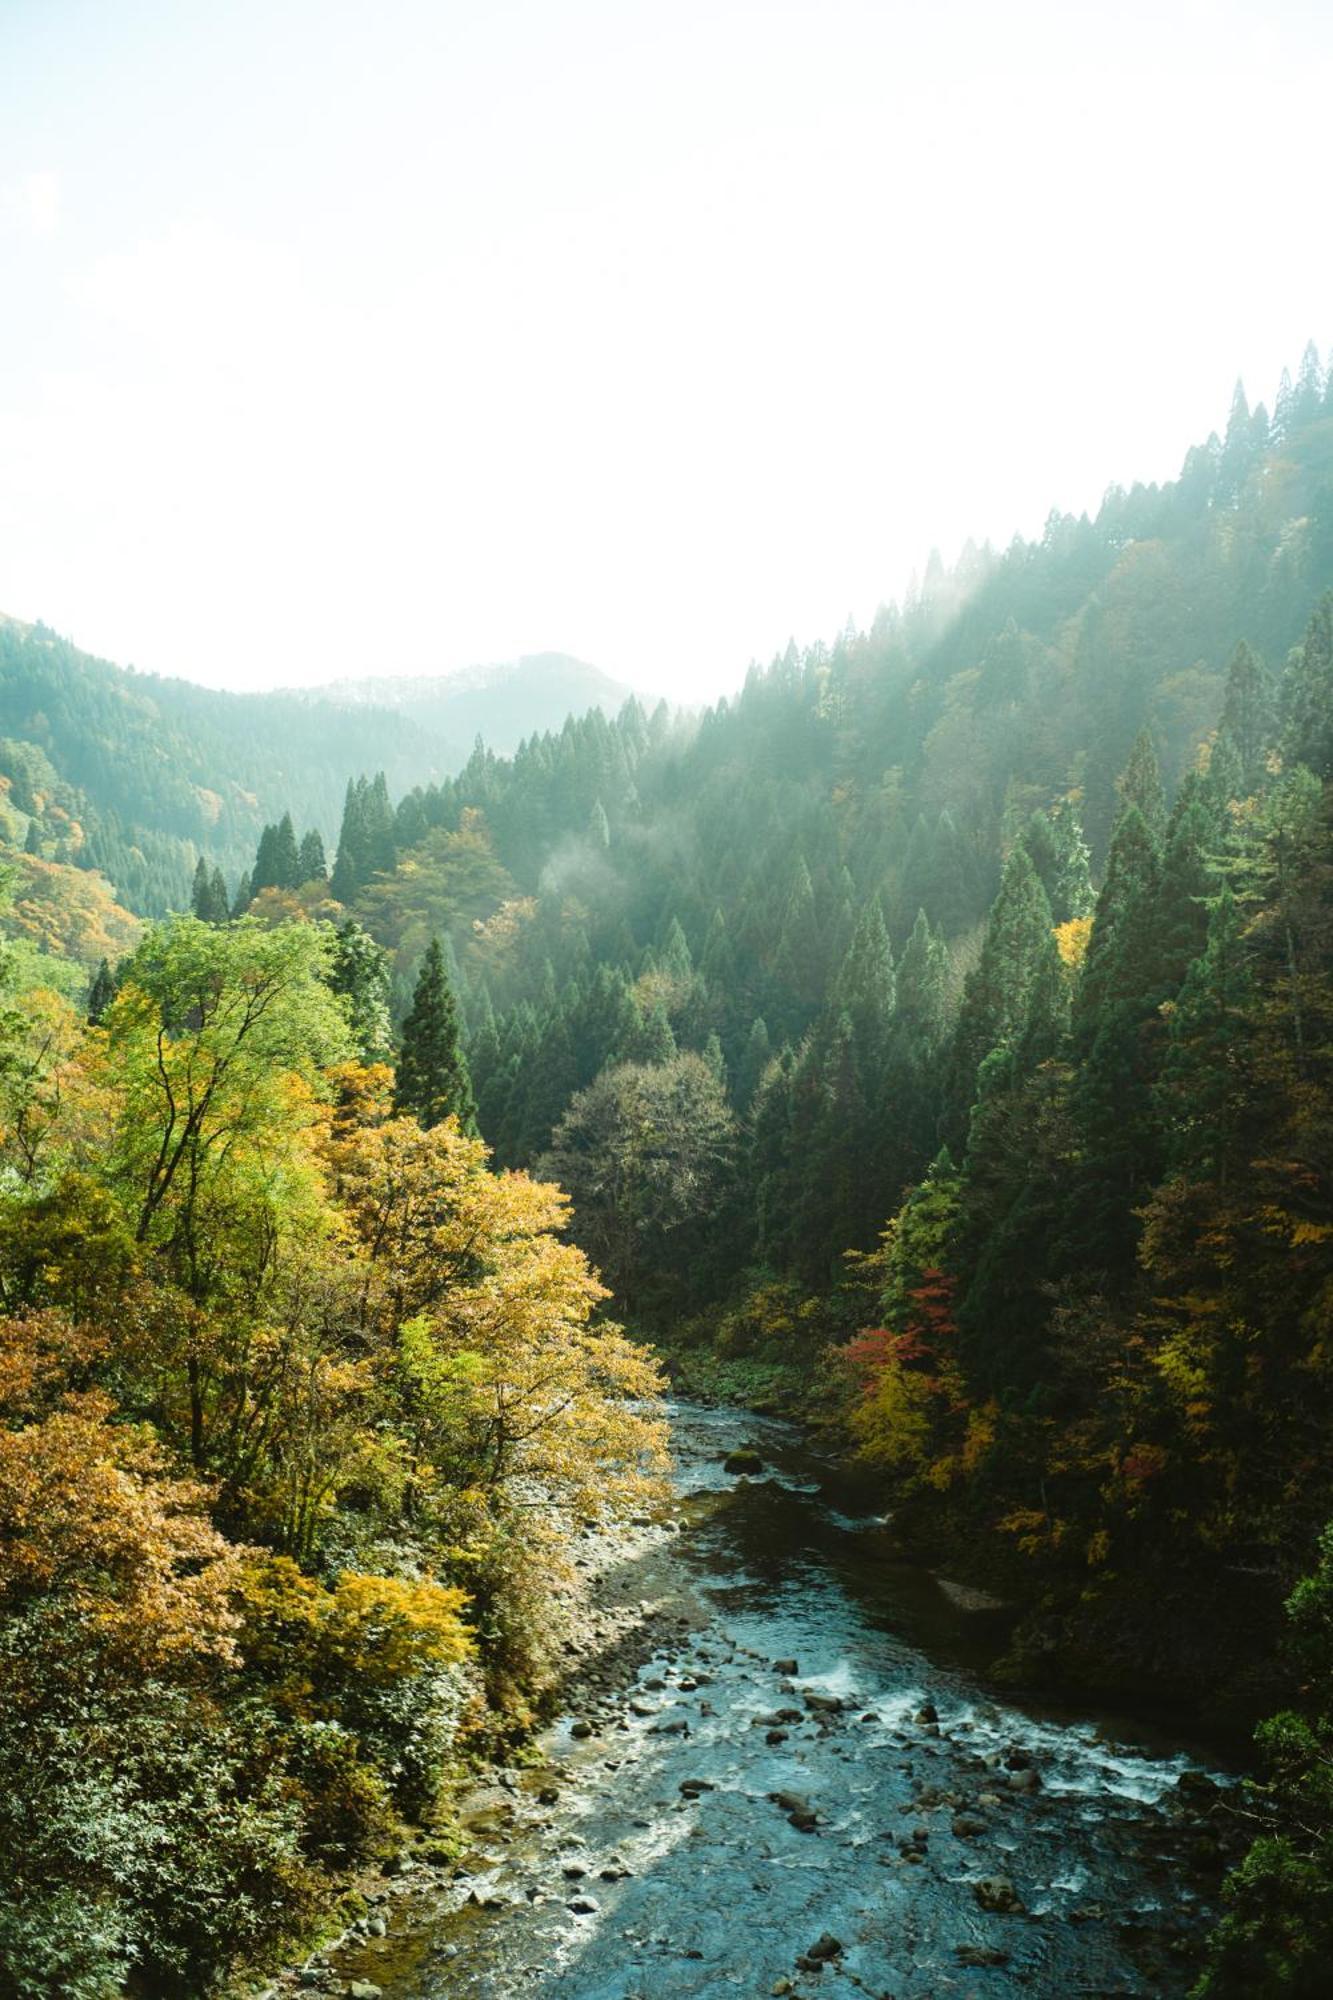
388, 337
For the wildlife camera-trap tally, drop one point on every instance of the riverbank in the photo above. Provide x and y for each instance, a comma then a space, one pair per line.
1179, 1645
761, 1756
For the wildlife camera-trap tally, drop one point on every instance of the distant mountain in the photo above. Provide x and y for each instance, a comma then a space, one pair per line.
136, 774
502, 703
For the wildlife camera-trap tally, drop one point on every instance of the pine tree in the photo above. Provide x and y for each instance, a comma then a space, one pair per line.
311, 864
351, 865
1206, 1090
432, 1081
758, 1054
1140, 784
380, 853
243, 898
864, 989
653, 1041
997, 994
208, 897
359, 975
1054, 839
1307, 695
1247, 714
800, 957
32, 840
286, 856
264, 874
219, 902
1131, 882
101, 992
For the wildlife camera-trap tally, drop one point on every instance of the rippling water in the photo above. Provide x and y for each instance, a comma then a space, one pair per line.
629, 1888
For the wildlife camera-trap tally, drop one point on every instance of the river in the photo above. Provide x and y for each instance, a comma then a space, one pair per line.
765, 1805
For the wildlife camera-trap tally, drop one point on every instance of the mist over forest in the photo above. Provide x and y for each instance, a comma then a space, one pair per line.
926, 1051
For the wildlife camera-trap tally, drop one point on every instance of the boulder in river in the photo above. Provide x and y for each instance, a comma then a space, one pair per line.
997, 1894
746, 1462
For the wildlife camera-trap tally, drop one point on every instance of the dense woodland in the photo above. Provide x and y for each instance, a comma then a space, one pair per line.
936, 1040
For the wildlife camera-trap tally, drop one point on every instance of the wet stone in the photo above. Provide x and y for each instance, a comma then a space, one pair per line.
997, 1894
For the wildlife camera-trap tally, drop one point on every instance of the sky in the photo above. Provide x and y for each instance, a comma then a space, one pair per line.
356, 340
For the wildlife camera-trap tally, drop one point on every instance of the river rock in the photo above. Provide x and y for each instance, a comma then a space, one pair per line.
583, 1906
364, 1989
787, 1667
968, 1827
1028, 1780
745, 1461
997, 1894
980, 1954
581, 1730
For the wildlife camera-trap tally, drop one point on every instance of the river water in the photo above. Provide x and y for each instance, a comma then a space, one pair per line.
597, 1877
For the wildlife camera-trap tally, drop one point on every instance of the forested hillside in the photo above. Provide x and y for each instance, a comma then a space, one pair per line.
936, 1041
133, 775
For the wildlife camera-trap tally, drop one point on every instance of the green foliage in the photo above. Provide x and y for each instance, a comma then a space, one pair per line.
299, 1405
1277, 1932
432, 1081
647, 1153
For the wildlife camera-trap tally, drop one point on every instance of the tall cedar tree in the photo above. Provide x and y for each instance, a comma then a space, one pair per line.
432, 1081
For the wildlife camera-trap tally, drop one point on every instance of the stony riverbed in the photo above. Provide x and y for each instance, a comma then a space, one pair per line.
782, 1773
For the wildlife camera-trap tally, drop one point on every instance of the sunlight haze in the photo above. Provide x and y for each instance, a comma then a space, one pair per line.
341, 341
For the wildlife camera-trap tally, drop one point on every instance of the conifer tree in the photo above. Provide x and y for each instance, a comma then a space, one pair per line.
997, 994
799, 958
359, 975
264, 874
758, 1054
350, 867
101, 992
311, 863
864, 989
432, 1082
1054, 840
1206, 1091
1307, 695
286, 855
208, 897
221, 902
1140, 784
1247, 714
1131, 881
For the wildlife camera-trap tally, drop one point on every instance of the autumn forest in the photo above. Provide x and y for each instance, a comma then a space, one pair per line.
928, 1050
